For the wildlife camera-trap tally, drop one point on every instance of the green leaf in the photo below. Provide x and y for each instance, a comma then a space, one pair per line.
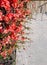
5, 35
3, 48
0, 35
1, 57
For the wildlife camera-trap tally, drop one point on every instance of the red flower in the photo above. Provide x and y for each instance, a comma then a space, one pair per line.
1, 15
1, 30
0, 46
11, 24
15, 1
4, 54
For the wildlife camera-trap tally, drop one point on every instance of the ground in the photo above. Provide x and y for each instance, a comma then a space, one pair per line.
35, 52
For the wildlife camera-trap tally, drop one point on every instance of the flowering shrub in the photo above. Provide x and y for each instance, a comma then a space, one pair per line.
12, 14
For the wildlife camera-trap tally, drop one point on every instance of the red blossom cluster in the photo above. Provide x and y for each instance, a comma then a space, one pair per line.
12, 13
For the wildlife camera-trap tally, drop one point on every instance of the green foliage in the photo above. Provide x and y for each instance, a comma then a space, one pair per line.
1, 57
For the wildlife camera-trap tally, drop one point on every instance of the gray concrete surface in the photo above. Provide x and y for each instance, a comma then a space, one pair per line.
35, 52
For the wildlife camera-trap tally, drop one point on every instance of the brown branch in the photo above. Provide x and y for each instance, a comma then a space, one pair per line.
42, 5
